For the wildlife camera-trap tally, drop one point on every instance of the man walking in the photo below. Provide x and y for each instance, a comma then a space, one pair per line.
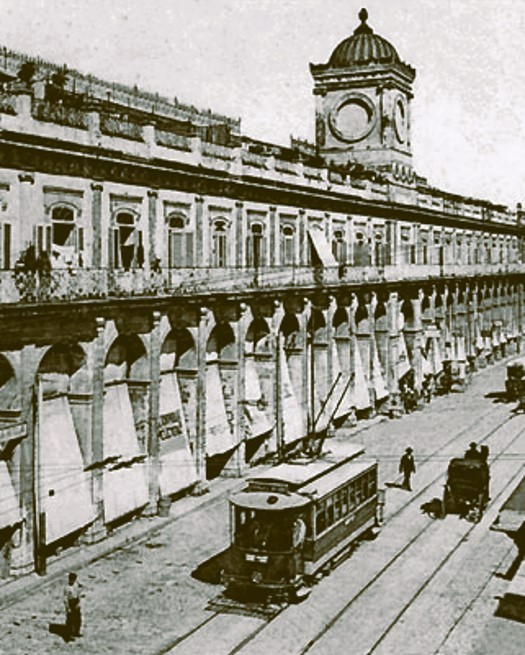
407, 466
72, 604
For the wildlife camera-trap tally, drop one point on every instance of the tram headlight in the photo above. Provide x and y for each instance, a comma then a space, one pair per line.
257, 577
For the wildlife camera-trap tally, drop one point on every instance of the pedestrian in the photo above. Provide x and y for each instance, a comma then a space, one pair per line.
72, 604
407, 466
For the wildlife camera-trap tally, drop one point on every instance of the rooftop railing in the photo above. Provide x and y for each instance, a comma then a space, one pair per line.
69, 285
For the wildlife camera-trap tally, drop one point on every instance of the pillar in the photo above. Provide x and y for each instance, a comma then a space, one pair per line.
153, 423
96, 225
27, 210
152, 228
395, 409
23, 553
205, 317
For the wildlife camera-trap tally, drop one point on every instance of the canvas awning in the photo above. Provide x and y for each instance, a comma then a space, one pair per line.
219, 437
436, 360
120, 435
125, 490
64, 486
378, 382
293, 425
9, 507
177, 467
322, 247
357, 394
256, 422
403, 363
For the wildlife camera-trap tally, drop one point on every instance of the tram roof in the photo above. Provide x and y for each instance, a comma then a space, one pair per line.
337, 477
520, 361
299, 473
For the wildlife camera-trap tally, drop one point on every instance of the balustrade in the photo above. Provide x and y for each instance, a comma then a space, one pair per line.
67, 285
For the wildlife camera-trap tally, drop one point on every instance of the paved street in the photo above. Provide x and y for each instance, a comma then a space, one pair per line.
423, 586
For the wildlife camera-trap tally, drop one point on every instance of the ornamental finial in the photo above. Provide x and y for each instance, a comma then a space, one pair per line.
363, 15
364, 28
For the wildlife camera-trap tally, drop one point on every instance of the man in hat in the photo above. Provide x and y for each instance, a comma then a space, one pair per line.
407, 466
473, 452
72, 605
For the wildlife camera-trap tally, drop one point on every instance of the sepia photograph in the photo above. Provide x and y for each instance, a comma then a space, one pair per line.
262, 331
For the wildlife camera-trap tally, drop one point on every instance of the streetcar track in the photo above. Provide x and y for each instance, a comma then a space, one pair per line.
443, 562
180, 639
403, 550
469, 605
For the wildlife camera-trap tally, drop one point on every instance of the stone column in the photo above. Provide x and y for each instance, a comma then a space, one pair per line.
202, 255
154, 404
152, 228
27, 210
302, 260
273, 237
96, 225
415, 342
393, 354
205, 317
240, 235
96, 452
23, 553
237, 463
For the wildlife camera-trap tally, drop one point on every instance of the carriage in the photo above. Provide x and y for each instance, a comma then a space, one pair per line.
515, 382
298, 519
467, 488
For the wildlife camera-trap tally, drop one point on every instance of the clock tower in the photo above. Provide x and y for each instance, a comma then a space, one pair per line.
363, 97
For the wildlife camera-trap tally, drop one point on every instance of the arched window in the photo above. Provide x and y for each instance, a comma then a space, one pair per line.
339, 246
287, 245
62, 239
219, 244
180, 241
255, 251
126, 248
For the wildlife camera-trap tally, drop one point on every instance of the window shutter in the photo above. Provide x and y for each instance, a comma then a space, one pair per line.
189, 249
7, 245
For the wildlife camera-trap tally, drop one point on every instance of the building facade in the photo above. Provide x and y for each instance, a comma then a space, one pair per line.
178, 300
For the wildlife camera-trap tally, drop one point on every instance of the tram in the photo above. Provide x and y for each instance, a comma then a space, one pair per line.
295, 519
515, 382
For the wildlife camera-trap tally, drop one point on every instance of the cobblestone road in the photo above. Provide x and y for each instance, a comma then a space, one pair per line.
141, 597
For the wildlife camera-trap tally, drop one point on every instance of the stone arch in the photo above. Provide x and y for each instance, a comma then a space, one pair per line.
341, 322
362, 320
290, 330
9, 392
63, 369
222, 341
317, 325
258, 336
178, 350
126, 358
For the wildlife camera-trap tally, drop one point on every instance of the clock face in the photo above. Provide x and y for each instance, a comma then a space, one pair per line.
352, 119
401, 120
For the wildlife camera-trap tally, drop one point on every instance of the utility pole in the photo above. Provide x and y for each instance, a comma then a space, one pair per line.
279, 436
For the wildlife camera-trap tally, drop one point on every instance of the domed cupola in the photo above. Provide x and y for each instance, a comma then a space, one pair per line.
363, 96
363, 47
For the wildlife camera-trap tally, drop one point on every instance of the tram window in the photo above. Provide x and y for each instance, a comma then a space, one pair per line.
337, 506
372, 483
351, 495
320, 520
364, 486
344, 502
329, 511
358, 491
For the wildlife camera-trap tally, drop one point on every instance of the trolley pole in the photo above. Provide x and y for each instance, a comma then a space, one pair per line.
39, 515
